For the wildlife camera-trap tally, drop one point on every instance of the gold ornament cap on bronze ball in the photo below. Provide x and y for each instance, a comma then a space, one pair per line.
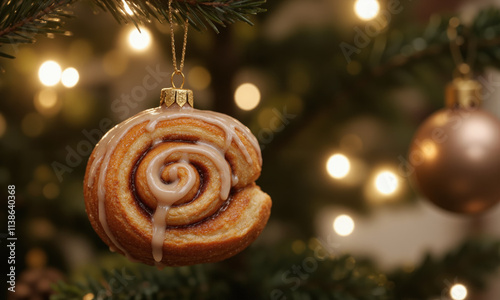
181, 97
463, 93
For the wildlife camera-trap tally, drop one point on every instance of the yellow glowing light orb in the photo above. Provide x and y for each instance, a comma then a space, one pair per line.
367, 9
49, 73
36, 258
47, 102
46, 98
247, 96
458, 292
338, 166
88, 296
386, 182
139, 41
343, 225
51, 190
70, 77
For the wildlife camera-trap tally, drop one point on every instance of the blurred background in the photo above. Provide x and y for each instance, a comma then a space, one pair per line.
334, 131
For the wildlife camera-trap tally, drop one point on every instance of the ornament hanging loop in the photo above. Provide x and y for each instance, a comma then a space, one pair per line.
177, 72
177, 96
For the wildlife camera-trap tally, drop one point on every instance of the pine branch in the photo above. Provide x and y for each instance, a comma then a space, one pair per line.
197, 282
389, 55
200, 13
484, 33
21, 21
318, 274
470, 264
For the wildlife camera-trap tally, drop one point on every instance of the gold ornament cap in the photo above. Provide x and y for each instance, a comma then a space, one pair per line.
181, 97
463, 93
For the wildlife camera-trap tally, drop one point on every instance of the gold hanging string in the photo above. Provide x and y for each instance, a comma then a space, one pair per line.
463, 67
177, 70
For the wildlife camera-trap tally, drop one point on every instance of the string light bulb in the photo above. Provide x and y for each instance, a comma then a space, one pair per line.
70, 77
338, 166
139, 40
343, 225
247, 96
386, 182
49, 73
367, 9
458, 292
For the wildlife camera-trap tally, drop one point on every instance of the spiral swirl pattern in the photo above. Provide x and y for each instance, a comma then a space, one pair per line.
175, 186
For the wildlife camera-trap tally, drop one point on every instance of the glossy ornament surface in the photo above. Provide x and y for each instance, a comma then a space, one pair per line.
455, 154
455, 157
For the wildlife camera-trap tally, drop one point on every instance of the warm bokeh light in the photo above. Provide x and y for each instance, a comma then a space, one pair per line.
367, 9
458, 292
47, 102
199, 78
265, 116
70, 77
42, 173
343, 225
386, 182
41, 228
338, 166
298, 247
50, 190
139, 41
3, 125
127, 8
88, 296
49, 73
36, 258
351, 143
47, 98
247, 96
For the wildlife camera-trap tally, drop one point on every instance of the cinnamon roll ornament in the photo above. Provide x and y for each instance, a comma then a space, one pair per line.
174, 186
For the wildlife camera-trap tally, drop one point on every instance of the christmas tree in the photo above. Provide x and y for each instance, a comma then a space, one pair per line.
334, 91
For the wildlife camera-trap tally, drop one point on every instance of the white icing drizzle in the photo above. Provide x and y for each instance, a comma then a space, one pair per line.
168, 194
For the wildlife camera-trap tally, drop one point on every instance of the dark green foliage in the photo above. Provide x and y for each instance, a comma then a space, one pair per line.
469, 264
406, 55
201, 13
391, 59
321, 273
21, 21
198, 282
